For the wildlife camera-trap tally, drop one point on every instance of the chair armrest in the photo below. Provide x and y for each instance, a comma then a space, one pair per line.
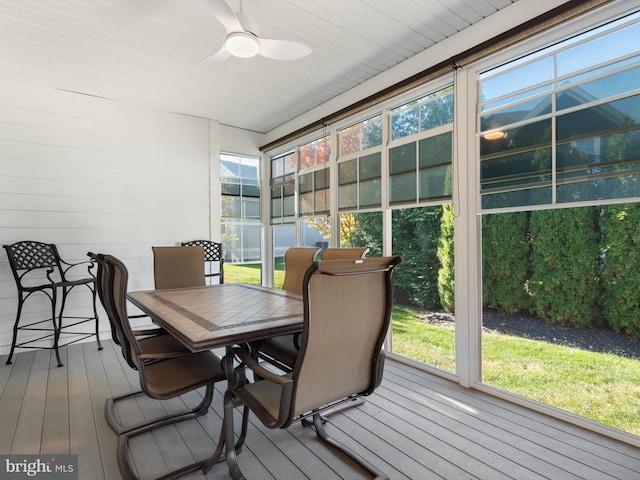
248, 361
163, 355
66, 266
149, 331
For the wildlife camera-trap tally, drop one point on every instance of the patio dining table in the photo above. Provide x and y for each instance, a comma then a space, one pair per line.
204, 318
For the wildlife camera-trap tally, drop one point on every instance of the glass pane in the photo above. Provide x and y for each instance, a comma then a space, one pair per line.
348, 172
520, 177
435, 151
277, 167
363, 135
516, 97
249, 190
288, 202
518, 79
370, 193
599, 50
437, 112
423, 325
251, 245
600, 167
403, 158
601, 118
402, 168
316, 232
231, 207
405, 122
321, 201
546, 282
305, 183
276, 203
435, 182
370, 166
250, 207
228, 188
289, 164
362, 230
306, 203
403, 188
348, 196
602, 88
347, 181
284, 236
315, 153
515, 113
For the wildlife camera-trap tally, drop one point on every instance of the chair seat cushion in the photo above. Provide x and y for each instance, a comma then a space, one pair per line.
182, 374
281, 347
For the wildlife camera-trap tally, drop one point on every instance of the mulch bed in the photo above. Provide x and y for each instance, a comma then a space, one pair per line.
527, 326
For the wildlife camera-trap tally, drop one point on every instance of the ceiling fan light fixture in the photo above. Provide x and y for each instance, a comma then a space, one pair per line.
242, 44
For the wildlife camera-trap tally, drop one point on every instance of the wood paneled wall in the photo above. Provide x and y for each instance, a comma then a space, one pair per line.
90, 174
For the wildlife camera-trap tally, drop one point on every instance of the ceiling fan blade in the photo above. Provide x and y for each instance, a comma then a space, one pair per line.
226, 16
218, 57
282, 49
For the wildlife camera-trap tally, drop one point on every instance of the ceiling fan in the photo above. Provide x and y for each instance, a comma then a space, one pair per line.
243, 41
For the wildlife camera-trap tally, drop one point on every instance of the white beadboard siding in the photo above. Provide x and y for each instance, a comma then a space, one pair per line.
90, 174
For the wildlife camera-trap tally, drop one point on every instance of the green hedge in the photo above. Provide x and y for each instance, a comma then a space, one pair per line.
506, 256
565, 253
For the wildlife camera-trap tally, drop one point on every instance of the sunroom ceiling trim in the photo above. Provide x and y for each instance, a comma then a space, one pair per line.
535, 26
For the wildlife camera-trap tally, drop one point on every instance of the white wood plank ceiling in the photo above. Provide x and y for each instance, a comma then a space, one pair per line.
149, 52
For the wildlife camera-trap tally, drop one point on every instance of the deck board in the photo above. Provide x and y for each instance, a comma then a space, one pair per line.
415, 426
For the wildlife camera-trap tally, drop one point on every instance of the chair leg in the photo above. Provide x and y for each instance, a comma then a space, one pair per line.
95, 315
15, 331
58, 327
137, 429
124, 465
322, 433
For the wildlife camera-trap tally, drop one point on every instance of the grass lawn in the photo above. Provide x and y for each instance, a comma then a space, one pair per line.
599, 386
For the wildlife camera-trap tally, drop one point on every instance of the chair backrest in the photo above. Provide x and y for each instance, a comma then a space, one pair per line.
27, 256
178, 267
212, 256
112, 291
347, 311
296, 262
344, 253
102, 280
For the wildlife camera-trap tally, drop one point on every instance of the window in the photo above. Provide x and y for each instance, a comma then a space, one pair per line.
240, 208
360, 165
421, 152
313, 184
283, 188
563, 125
361, 136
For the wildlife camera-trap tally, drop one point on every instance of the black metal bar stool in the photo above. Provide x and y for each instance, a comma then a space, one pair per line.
37, 267
212, 256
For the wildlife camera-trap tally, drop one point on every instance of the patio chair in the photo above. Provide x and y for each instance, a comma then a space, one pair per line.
213, 258
163, 373
347, 311
342, 253
37, 267
281, 350
178, 267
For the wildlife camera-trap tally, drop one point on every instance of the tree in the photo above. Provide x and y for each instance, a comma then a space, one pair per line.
565, 262
416, 232
446, 281
506, 261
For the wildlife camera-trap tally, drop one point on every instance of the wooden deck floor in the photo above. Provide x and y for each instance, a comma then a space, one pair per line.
416, 426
